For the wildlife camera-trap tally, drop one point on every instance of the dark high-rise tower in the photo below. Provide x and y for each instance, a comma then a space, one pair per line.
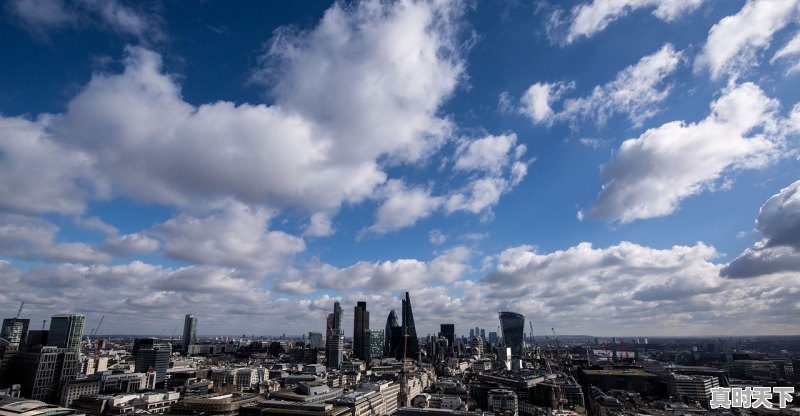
337, 316
15, 331
66, 331
393, 334
512, 325
151, 353
335, 340
189, 332
448, 331
360, 325
410, 344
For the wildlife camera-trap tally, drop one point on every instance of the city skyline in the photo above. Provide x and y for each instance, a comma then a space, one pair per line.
252, 165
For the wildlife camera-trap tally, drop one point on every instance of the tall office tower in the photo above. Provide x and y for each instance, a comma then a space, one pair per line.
483, 333
43, 372
335, 341
152, 353
471, 333
393, 334
15, 331
410, 344
512, 324
66, 331
337, 316
315, 340
360, 324
373, 344
448, 331
328, 327
189, 332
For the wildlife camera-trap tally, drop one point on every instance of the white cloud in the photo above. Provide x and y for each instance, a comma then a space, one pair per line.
25, 184
537, 101
779, 249
320, 224
129, 245
490, 153
635, 288
733, 42
373, 75
403, 207
383, 276
651, 174
588, 19
233, 235
29, 238
436, 237
636, 91
790, 50
41, 17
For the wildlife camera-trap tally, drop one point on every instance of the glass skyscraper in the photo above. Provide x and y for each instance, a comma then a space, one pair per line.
360, 324
512, 325
66, 331
189, 332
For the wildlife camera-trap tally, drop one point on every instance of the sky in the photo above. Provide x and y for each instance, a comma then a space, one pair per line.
607, 168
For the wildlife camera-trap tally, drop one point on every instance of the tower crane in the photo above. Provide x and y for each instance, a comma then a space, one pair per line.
10, 334
97, 344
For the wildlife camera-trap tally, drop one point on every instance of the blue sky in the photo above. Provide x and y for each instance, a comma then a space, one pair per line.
605, 168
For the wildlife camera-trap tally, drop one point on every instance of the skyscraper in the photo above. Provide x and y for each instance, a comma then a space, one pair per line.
43, 371
335, 341
410, 343
448, 331
337, 316
373, 344
66, 331
15, 331
360, 325
393, 334
152, 353
512, 325
189, 332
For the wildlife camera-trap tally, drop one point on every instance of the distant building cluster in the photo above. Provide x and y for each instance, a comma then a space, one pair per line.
60, 371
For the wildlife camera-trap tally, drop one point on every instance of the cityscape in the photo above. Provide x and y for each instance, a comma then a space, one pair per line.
400, 207
388, 369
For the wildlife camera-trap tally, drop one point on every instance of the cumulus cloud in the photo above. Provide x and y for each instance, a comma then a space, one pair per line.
373, 75
493, 166
403, 207
376, 276
536, 102
41, 17
233, 235
636, 91
26, 147
632, 287
778, 222
30, 238
357, 93
588, 19
735, 40
791, 50
436, 237
651, 174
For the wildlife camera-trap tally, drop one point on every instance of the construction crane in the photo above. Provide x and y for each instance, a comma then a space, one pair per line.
97, 344
19, 312
558, 345
533, 340
10, 333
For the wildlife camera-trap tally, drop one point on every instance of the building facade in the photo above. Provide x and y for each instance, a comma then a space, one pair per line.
66, 331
